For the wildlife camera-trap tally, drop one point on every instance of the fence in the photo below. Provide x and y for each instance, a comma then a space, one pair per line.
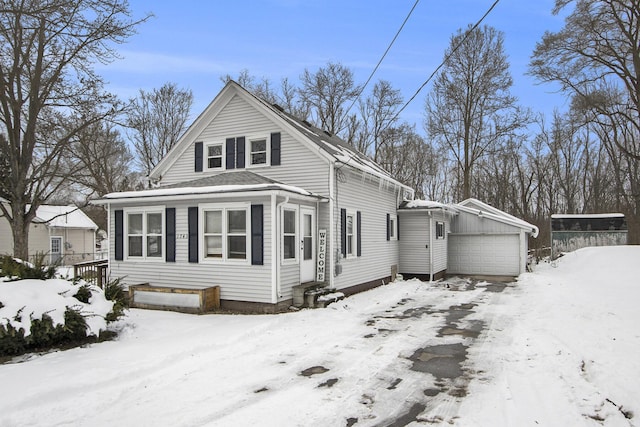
92, 271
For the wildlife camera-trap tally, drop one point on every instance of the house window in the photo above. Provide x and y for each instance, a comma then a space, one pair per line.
393, 235
224, 232
289, 235
213, 234
350, 236
439, 230
237, 233
145, 231
258, 151
214, 156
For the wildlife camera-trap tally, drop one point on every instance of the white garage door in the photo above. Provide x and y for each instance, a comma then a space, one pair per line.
493, 254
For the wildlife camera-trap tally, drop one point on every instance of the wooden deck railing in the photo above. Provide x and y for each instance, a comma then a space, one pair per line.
92, 271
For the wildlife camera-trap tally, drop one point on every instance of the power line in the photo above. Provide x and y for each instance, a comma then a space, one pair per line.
383, 56
444, 61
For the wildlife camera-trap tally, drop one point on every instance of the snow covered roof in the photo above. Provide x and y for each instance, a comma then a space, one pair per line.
586, 216
64, 217
226, 182
427, 205
479, 208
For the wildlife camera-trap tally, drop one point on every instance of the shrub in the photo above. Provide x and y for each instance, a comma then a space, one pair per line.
12, 340
114, 291
83, 294
14, 268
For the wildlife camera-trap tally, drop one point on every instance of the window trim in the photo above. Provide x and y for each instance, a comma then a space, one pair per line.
224, 208
393, 227
145, 211
440, 234
296, 250
354, 234
248, 150
223, 156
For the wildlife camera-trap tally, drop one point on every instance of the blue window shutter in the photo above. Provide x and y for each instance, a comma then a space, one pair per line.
275, 149
170, 227
359, 239
231, 153
119, 224
240, 152
388, 227
257, 239
343, 231
193, 234
198, 156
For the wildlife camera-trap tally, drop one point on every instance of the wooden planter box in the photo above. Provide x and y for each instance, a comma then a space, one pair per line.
174, 299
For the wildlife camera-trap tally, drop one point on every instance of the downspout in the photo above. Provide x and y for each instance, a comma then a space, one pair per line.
332, 250
278, 293
430, 246
274, 251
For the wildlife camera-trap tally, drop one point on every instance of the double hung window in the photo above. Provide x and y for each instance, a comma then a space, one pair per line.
145, 231
351, 235
214, 156
439, 230
258, 151
225, 233
289, 234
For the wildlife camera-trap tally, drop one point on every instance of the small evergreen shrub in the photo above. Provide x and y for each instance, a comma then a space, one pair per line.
12, 340
114, 291
83, 294
21, 270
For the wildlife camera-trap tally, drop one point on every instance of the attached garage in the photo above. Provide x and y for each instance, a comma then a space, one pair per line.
487, 241
484, 254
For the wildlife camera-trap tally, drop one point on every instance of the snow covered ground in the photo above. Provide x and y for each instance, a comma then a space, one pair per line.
558, 348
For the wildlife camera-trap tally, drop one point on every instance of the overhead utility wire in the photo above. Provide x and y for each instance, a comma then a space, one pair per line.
444, 61
383, 56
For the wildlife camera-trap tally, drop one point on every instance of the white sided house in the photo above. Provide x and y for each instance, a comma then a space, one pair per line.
260, 206
64, 234
256, 202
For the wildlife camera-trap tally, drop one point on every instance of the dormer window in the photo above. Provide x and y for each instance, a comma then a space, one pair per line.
214, 156
258, 153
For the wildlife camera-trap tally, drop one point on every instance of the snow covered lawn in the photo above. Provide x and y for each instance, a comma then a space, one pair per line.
559, 347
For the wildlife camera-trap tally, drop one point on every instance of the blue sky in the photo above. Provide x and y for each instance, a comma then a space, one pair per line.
193, 43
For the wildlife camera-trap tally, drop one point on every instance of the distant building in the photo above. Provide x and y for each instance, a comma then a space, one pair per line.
570, 232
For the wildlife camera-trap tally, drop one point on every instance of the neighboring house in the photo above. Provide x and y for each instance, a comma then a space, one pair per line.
64, 233
257, 202
570, 232
468, 238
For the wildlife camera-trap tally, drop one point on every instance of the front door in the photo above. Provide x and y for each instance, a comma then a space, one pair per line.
307, 245
55, 251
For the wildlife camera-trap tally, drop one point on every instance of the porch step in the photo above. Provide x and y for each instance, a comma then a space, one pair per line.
314, 295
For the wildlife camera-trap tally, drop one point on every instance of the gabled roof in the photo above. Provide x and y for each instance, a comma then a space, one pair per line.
427, 205
63, 217
479, 208
329, 147
240, 181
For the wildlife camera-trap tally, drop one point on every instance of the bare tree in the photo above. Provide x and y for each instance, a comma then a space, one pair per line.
104, 159
595, 58
378, 113
326, 92
158, 119
469, 110
49, 92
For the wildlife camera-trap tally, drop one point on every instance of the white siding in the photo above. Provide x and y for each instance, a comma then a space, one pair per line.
365, 193
300, 165
490, 254
241, 282
470, 223
417, 247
